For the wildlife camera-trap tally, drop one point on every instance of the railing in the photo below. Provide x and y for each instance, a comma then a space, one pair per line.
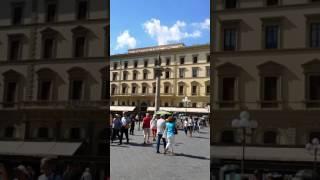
103, 104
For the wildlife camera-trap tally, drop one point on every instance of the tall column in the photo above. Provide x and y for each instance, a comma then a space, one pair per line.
157, 96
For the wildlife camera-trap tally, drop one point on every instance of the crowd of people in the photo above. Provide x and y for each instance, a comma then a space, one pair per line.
49, 170
158, 127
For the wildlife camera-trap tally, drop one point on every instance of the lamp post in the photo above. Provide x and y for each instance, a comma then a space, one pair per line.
158, 73
186, 102
244, 123
314, 148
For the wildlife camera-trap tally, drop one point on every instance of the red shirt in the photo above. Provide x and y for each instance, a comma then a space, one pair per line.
146, 122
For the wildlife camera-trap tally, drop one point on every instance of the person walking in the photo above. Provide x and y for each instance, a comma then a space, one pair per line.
146, 128
86, 175
170, 134
124, 127
133, 121
116, 126
185, 126
190, 125
153, 126
161, 125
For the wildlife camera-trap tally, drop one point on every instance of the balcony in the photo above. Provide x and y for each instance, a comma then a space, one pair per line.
103, 104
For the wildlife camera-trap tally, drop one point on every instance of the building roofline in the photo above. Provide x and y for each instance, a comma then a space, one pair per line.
156, 52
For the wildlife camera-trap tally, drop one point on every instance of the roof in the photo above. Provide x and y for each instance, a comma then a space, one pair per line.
175, 109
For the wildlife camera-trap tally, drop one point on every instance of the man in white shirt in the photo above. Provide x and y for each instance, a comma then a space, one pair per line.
125, 127
161, 125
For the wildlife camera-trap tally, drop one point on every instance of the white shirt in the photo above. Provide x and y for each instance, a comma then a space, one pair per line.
124, 121
161, 124
153, 123
185, 123
190, 122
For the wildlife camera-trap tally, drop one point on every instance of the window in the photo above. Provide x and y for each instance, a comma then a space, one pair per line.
145, 75
134, 77
181, 72
194, 72
229, 39
135, 64
125, 75
166, 89
115, 65
75, 133
123, 103
208, 58
315, 35
113, 90
181, 89
144, 89
82, 10
208, 71
271, 36
10, 94
154, 89
17, 14
43, 132
51, 11
126, 65
208, 89
76, 89
229, 4
314, 90
133, 90
181, 60
313, 135
133, 103
80, 46
228, 89
270, 91
168, 61
145, 63
112, 103
114, 76
166, 104
180, 104
272, 2
270, 137
194, 105
227, 137
15, 47
48, 48
195, 59
44, 90
167, 74
9, 132
194, 90
124, 90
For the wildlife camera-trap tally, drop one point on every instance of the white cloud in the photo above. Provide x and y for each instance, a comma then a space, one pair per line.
202, 25
125, 40
164, 34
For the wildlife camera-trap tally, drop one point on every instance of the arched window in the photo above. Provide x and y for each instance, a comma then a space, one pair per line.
145, 88
227, 136
134, 88
78, 84
167, 88
125, 88
270, 137
114, 89
195, 88
181, 88
46, 84
12, 88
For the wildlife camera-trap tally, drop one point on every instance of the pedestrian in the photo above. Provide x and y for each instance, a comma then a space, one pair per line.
48, 170
3, 172
21, 173
161, 125
132, 118
86, 175
170, 131
153, 126
116, 126
185, 125
190, 125
146, 128
124, 127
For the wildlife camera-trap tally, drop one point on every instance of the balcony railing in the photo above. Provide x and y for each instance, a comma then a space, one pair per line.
103, 104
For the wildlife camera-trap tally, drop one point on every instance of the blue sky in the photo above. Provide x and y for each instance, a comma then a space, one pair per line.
143, 23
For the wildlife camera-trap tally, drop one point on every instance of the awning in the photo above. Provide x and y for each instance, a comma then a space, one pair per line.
175, 109
122, 108
41, 149
261, 153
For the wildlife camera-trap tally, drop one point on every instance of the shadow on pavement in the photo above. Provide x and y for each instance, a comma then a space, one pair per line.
200, 137
140, 144
191, 156
122, 145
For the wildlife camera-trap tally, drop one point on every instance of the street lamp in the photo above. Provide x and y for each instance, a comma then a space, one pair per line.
314, 148
244, 123
158, 73
186, 102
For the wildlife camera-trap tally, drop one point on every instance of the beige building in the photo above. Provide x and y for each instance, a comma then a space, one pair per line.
185, 74
53, 72
266, 61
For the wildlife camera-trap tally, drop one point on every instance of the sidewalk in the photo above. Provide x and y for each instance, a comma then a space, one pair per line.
136, 161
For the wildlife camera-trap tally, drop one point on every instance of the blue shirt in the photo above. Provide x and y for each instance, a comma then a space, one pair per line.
170, 128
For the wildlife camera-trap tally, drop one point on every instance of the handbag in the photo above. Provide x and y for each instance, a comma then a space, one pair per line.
175, 130
164, 134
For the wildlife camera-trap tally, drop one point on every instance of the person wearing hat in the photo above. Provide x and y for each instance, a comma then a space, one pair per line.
116, 126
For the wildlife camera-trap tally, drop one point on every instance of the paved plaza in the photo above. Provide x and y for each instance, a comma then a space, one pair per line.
136, 161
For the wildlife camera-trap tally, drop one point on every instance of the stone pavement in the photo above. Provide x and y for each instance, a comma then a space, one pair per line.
136, 161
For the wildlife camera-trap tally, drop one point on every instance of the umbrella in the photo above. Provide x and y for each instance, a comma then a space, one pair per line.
163, 113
